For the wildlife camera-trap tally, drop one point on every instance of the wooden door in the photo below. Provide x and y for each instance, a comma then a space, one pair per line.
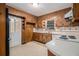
2, 29
28, 32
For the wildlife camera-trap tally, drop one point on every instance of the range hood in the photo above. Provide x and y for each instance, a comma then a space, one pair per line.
69, 16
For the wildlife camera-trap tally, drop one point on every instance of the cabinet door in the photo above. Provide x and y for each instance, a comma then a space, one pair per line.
40, 37
28, 32
76, 10
36, 36
48, 37
50, 53
44, 37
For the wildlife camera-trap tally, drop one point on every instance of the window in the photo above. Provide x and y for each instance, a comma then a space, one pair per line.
50, 24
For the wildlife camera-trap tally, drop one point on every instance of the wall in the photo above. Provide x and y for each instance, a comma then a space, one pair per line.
28, 18
59, 18
2, 29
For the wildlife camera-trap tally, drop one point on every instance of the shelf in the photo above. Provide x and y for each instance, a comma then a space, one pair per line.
30, 23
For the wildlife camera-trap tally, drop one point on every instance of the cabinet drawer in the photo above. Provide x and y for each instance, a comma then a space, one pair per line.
49, 37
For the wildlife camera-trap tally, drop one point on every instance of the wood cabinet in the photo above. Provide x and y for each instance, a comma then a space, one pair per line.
42, 37
28, 32
75, 21
31, 19
35, 36
76, 11
50, 53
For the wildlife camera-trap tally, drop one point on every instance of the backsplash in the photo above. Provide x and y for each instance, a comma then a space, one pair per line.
61, 29
76, 28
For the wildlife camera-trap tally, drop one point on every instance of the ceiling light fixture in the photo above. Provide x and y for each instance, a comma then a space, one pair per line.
35, 4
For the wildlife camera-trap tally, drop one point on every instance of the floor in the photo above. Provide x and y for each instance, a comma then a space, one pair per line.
32, 48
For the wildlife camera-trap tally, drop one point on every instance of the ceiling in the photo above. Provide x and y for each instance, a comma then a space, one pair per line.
42, 9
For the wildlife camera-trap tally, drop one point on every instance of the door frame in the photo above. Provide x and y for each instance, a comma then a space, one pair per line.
7, 33
7, 30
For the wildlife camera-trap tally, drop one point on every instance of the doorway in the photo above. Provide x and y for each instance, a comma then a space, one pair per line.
13, 31
15, 28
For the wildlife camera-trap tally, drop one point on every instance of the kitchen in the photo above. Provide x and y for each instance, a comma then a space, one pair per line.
57, 30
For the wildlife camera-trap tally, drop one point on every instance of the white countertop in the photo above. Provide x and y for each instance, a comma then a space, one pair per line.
55, 32
63, 48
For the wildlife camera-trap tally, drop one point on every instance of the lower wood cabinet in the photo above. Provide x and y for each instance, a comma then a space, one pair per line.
42, 37
50, 53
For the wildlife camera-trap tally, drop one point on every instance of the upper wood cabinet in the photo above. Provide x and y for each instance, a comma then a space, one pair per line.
75, 21
76, 11
31, 19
